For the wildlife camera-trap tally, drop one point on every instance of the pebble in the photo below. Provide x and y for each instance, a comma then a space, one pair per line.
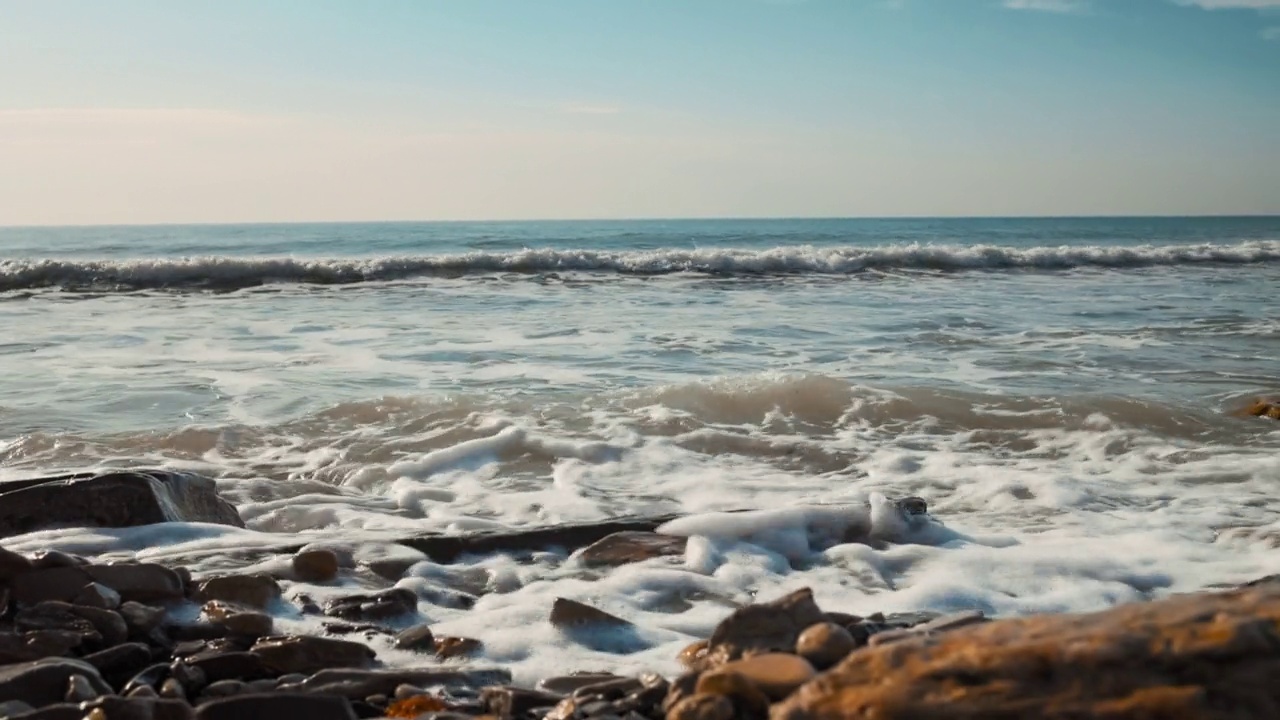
418, 637
79, 689
702, 707
172, 689
776, 674
825, 644
315, 566
748, 700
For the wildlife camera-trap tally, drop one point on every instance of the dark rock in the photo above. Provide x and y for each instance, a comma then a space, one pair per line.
117, 665
392, 568
60, 583
192, 679
255, 591
218, 666
238, 620
276, 706
303, 654
224, 688
108, 623
682, 688
567, 684
44, 682
25, 647
197, 631
46, 559
173, 690
609, 689
112, 499
149, 677
58, 617
57, 711
444, 597
765, 627
11, 708
418, 637
79, 690
628, 547
363, 683
567, 613
12, 565
140, 708
97, 595
507, 702
140, 619
369, 629
825, 644
140, 582
776, 674
376, 606
315, 565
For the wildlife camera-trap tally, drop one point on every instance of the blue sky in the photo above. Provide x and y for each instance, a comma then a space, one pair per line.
158, 111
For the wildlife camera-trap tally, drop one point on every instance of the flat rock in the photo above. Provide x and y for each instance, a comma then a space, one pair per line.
140, 582
776, 674
363, 683
275, 706
255, 591
622, 548
566, 613
567, 684
118, 664
374, 606
44, 682
55, 616
764, 627
1204, 655
451, 647
238, 620
506, 701
825, 644
304, 654
107, 623
111, 499
28, 646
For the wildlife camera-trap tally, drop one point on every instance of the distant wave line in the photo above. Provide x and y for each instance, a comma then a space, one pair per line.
233, 272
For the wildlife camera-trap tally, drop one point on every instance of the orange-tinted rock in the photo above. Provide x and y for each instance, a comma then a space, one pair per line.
694, 656
825, 644
776, 674
629, 547
765, 627
415, 706
255, 591
748, 700
702, 707
1207, 655
1264, 408
452, 647
567, 613
315, 565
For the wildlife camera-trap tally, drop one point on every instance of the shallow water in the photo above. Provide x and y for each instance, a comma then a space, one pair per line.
1058, 390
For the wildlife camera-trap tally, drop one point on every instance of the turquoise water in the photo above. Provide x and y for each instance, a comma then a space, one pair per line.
1059, 390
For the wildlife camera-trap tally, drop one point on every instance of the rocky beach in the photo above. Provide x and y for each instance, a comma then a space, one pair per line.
117, 639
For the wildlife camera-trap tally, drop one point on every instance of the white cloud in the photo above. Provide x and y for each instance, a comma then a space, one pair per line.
1057, 6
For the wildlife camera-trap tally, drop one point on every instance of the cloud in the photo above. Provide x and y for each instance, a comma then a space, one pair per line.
1056, 6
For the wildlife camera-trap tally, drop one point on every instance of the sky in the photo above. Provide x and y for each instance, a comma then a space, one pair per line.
155, 111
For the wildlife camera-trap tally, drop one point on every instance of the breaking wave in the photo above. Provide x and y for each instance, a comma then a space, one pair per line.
234, 272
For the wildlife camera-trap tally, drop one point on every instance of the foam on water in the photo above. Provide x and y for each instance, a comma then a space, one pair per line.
227, 272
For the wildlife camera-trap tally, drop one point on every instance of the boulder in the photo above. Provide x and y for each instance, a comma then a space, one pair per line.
764, 627
140, 582
1203, 655
124, 498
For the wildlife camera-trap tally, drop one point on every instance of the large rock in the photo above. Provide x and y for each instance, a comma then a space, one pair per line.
307, 654
1190, 656
1263, 407
622, 548
764, 627
112, 499
44, 682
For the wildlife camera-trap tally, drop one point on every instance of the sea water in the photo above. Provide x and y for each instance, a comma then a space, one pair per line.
1060, 392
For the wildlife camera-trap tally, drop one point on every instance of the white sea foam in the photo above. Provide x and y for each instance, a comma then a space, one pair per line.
225, 272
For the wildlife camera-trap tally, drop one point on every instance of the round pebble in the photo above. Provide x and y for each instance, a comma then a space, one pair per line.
316, 565
748, 700
825, 644
777, 674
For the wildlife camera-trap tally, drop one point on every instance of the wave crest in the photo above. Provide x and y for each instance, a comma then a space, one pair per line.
234, 272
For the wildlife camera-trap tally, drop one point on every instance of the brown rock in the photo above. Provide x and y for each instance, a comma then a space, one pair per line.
1263, 408
12, 565
140, 582
566, 684
97, 595
748, 700
776, 674
238, 620
120, 663
567, 613
628, 547
1205, 655
143, 707
694, 656
453, 647
255, 591
363, 683
140, 619
60, 583
765, 627
418, 637
290, 654
825, 644
702, 707
55, 616
315, 565
220, 665
375, 606
24, 647
275, 706
681, 688
112, 499
508, 702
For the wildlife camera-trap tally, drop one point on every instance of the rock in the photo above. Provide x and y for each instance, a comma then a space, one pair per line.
310, 654
567, 684
218, 666
608, 690
776, 674
224, 688
255, 591
10, 708
60, 583
173, 690
825, 644
111, 499
453, 647
749, 701
79, 690
149, 677
628, 547
55, 616
151, 707
1263, 408
24, 647
202, 630
143, 692
192, 678
765, 627
694, 656
355, 684
567, 613
417, 706
46, 559
1196, 655
140, 619
107, 623
681, 688
274, 706
315, 565
418, 637
392, 568
12, 565
702, 707
140, 582
118, 664
377, 606
44, 682
506, 701
97, 595
238, 620
60, 711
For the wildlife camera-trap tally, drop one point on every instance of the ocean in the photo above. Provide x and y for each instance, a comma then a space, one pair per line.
1060, 392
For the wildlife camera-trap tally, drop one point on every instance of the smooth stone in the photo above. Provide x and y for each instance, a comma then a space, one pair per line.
375, 606
355, 684
681, 687
60, 711
119, 664
46, 559
694, 655
418, 637
626, 547
150, 677
79, 690
953, 621
507, 701
453, 647
59, 583
143, 707
108, 623
765, 627
44, 682
276, 706
609, 689
51, 615
238, 620
702, 707
305, 654
97, 595
748, 699
10, 708
224, 688
140, 582
255, 591
776, 674
219, 666
825, 644
12, 565
173, 690
315, 566
28, 646
140, 619
567, 613
567, 684
192, 678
